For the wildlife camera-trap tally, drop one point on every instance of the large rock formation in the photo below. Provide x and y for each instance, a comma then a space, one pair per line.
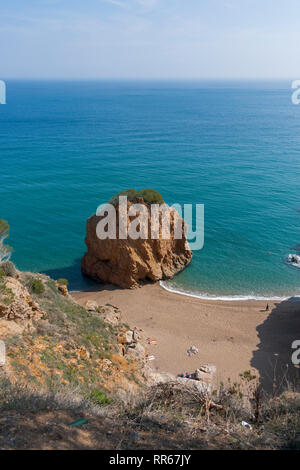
128, 262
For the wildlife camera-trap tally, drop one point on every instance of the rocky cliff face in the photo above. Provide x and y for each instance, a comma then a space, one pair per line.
18, 311
48, 339
128, 262
65, 344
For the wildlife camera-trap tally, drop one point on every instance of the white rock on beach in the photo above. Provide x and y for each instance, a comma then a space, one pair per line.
208, 369
129, 336
205, 373
2, 354
153, 377
200, 386
91, 306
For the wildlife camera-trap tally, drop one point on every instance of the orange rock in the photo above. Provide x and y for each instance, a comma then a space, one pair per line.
128, 262
62, 289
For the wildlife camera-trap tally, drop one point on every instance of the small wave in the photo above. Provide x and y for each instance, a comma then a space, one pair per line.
293, 260
227, 298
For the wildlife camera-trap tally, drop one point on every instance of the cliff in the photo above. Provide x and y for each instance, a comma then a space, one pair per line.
51, 341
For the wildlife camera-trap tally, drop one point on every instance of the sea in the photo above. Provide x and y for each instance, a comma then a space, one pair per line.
68, 146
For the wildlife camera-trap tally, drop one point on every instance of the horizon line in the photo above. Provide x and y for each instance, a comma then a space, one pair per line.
192, 79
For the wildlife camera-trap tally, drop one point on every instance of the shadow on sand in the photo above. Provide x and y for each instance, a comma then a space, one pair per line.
273, 358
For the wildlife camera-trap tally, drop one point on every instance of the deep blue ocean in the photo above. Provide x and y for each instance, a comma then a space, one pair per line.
66, 147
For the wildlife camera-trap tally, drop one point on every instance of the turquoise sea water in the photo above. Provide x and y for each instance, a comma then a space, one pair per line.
66, 147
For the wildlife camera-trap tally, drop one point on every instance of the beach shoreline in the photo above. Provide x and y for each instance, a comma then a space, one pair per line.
234, 335
226, 298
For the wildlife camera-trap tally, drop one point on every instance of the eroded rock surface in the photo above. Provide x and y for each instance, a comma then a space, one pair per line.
128, 262
17, 308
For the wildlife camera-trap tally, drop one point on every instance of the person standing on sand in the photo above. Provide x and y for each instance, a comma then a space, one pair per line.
267, 308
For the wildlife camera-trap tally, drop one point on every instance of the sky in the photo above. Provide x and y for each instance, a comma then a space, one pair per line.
154, 39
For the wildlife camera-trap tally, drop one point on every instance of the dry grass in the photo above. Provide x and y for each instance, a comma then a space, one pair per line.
22, 397
167, 416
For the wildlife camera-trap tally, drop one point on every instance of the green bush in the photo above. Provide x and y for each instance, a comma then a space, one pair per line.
149, 195
130, 193
98, 397
36, 286
9, 269
247, 376
2, 273
62, 282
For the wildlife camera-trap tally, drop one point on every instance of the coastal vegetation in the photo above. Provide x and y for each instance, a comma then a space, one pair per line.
5, 250
52, 343
62, 282
148, 195
164, 416
36, 286
8, 268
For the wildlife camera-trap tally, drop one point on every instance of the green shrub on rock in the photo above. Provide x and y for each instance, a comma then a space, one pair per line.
149, 195
130, 193
36, 286
62, 282
9, 269
99, 397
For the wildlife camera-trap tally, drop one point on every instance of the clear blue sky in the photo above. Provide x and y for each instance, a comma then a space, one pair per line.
149, 38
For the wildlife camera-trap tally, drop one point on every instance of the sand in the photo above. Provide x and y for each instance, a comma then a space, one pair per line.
234, 335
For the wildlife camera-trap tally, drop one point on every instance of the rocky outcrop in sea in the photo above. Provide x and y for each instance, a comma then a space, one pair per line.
129, 262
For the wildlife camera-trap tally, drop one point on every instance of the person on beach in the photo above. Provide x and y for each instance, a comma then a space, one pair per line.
267, 308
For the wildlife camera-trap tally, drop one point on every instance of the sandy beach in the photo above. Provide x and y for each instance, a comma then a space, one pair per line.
234, 335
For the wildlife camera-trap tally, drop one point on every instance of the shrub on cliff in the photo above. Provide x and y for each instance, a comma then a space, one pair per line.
9, 269
99, 398
5, 250
62, 282
37, 286
149, 195
130, 193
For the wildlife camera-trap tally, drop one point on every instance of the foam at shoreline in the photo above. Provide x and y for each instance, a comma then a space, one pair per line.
229, 298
